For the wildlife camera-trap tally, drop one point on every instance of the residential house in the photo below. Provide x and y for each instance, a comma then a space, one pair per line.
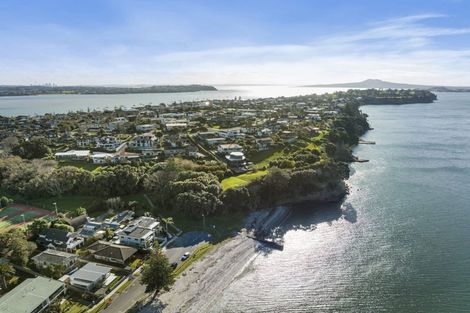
140, 233
118, 121
229, 148
175, 125
33, 295
90, 229
77, 155
59, 239
109, 143
52, 257
90, 276
76, 222
144, 128
236, 159
102, 158
113, 253
144, 141
288, 137
232, 133
264, 144
215, 141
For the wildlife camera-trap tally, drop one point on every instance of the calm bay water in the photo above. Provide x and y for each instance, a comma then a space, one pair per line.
399, 242
30, 105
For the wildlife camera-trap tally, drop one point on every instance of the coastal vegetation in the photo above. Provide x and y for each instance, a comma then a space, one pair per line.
308, 157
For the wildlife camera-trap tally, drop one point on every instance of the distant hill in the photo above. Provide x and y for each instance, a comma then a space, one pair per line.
381, 84
10, 90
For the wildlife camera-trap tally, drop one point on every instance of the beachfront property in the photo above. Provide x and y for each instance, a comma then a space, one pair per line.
141, 233
90, 276
33, 295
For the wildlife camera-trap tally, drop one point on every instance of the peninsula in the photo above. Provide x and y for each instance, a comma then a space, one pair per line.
381, 84
111, 188
12, 90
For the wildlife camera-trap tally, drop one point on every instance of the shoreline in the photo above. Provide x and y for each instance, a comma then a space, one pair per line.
199, 286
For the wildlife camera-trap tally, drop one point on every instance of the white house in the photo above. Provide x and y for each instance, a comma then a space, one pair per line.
102, 158
228, 148
140, 233
144, 128
73, 155
90, 276
143, 141
236, 132
264, 143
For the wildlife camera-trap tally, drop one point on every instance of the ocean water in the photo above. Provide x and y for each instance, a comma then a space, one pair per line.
31, 105
400, 242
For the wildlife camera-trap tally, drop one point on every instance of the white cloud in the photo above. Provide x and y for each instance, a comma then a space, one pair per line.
403, 50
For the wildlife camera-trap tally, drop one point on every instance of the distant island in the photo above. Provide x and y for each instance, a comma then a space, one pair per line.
381, 84
14, 90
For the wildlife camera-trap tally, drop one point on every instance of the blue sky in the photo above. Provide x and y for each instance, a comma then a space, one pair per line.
225, 42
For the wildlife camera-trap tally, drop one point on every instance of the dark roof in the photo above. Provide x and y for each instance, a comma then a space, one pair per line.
110, 250
76, 221
138, 232
56, 234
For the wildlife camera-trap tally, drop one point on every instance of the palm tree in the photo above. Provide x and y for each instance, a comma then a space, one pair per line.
168, 220
6, 271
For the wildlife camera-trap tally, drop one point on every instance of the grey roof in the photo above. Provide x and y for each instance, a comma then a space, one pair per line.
91, 272
53, 256
28, 295
139, 232
146, 221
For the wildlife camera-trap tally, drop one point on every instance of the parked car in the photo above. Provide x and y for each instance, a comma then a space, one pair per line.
185, 256
174, 265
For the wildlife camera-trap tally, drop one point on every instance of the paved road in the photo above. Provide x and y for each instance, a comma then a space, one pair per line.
136, 291
124, 301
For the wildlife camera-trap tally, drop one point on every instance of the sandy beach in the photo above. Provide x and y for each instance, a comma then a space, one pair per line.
201, 284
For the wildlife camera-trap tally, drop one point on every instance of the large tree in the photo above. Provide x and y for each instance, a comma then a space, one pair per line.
32, 149
157, 273
6, 271
37, 226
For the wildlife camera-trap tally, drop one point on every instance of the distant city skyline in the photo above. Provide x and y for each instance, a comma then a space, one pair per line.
241, 42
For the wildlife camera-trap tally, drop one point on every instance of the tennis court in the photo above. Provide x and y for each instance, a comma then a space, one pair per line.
18, 214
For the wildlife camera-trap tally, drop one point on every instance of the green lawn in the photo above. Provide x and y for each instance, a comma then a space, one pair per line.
84, 165
64, 203
269, 155
4, 224
241, 180
73, 307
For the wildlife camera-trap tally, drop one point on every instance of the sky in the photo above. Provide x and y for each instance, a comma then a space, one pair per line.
100, 42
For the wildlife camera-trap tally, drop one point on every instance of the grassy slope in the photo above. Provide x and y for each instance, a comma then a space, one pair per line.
241, 180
